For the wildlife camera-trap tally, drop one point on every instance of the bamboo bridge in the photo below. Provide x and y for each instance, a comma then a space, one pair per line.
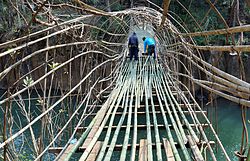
81, 98
146, 110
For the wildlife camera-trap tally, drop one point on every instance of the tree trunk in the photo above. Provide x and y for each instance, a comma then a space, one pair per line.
248, 3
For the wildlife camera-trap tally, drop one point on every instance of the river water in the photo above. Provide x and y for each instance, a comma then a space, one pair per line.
230, 126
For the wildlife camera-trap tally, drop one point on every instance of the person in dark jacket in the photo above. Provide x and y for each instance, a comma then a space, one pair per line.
133, 46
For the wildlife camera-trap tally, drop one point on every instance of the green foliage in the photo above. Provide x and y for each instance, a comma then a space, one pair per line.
62, 111
94, 2
24, 157
117, 7
39, 102
206, 20
53, 65
247, 10
27, 81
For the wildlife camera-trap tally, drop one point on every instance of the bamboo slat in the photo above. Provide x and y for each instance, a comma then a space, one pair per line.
157, 136
179, 135
177, 156
149, 139
143, 150
117, 94
168, 150
118, 147
66, 153
93, 154
195, 149
113, 141
127, 133
107, 138
142, 126
137, 104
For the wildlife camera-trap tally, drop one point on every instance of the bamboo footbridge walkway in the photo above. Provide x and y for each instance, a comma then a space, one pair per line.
71, 93
145, 117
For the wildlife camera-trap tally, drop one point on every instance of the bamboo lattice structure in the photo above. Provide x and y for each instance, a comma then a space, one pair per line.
90, 99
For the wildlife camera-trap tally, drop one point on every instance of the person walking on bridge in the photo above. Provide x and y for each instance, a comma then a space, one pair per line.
149, 46
133, 46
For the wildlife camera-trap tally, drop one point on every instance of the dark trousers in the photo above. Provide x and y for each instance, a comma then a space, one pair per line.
151, 50
133, 51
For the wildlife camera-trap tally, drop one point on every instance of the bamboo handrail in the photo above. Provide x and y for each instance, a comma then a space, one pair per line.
231, 30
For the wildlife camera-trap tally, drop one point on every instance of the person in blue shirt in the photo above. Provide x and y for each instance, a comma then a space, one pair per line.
149, 46
133, 46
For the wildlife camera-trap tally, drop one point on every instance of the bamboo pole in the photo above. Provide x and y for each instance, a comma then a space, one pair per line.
170, 137
107, 138
97, 134
190, 128
24, 38
113, 141
181, 113
227, 79
157, 136
168, 95
207, 121
166, 4
149, 139
86, 132
57, 68
127, 133
137, 105
82, 118
13, 50
231, 30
